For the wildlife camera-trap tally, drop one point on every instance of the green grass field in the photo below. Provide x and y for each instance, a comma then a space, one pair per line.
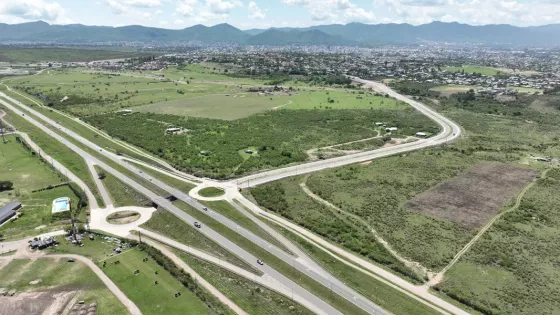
473, 69
122, 194
218, 106
28, 173
211, 192
97, 250
28, 55
89, 93
57, 274
251, 297
321, 98
142, 290
57, 150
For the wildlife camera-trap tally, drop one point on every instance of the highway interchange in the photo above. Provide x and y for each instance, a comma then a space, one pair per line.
299, 260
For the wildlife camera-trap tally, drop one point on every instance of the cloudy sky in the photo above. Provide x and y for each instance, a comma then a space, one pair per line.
266, 13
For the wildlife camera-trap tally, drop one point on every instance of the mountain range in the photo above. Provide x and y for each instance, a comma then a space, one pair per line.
353, 34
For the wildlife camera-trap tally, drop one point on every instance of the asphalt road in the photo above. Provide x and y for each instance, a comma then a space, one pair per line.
308, 298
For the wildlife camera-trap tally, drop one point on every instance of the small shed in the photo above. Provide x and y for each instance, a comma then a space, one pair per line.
9, 210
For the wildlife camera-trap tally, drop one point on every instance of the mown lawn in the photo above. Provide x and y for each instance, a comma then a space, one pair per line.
142, 290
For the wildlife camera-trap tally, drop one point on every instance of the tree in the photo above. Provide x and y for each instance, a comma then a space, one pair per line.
101, 175
6, 185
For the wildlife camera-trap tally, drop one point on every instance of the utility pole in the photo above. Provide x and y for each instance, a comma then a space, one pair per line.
2, 131
74, 233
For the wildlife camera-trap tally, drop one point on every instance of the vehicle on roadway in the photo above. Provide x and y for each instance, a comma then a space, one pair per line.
260, 262
197, 225
205, 209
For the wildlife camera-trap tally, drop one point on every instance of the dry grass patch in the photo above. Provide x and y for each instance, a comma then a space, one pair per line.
123, 217
472, 198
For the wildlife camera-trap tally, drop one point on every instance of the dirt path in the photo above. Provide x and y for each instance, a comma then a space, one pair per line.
311, 152
439, 277
411, 264
131, 307
278, 107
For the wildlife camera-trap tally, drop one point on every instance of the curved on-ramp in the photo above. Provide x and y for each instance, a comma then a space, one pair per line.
450, 131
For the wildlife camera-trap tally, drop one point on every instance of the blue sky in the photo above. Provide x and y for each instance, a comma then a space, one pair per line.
246, 14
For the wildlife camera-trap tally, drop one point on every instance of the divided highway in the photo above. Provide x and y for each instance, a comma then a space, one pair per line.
301, 295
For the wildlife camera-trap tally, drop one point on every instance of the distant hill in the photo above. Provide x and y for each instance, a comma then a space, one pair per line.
41, 31
376, 34
335, 34
310, 37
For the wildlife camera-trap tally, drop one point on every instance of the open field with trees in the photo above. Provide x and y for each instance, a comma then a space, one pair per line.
57, 150
57, 278
29, 55
513, 268
89, 93
377, 192
211, 147
27, 174
452, 89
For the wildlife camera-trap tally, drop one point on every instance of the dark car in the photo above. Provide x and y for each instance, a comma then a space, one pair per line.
197, 225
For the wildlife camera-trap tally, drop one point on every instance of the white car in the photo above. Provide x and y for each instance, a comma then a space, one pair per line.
260, 262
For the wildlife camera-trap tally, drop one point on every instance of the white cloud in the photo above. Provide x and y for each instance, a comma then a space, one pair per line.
27, 10
339, 11
255, 12
222, 7
186, 7
116, 6
142, 3
478, 12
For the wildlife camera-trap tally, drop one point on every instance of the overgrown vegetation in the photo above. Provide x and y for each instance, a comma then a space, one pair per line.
513, 268
211, 147
497, 132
